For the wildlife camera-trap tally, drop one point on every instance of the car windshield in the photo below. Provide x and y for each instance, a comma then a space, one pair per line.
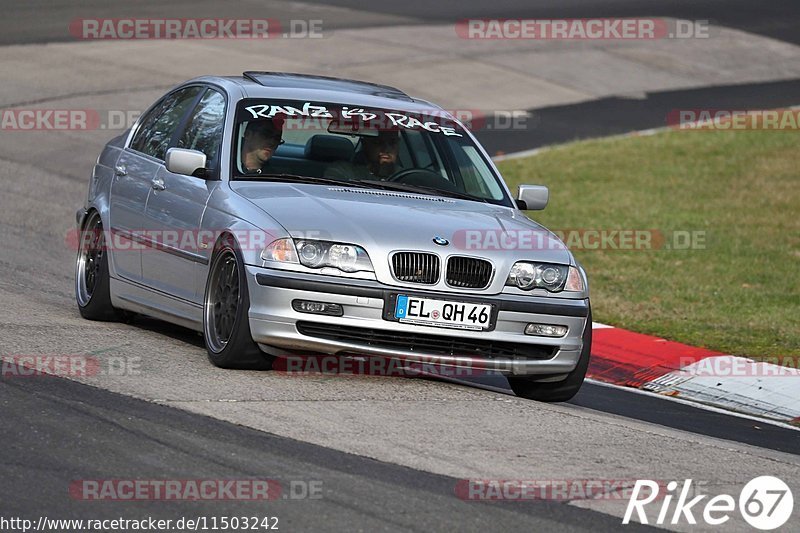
425, 153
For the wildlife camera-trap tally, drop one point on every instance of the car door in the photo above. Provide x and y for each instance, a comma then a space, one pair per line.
135, 170
176, 204
129, 190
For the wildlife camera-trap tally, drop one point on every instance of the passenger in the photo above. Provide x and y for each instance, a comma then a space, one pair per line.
378, 159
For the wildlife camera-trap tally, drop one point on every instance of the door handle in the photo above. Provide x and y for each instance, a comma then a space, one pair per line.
120, 170
158, 184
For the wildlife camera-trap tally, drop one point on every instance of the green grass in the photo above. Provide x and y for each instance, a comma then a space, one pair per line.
741, 294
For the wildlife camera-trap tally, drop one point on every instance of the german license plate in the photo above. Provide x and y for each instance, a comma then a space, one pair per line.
442, 313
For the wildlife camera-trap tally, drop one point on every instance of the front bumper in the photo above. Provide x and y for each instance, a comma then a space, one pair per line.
363, 330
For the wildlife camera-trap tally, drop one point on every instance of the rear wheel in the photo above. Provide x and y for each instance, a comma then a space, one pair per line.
92, 279
558, 391
226, 326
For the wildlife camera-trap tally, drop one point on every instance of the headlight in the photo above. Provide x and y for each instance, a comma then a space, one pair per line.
529, 276
345, 257
319, 254
311, 253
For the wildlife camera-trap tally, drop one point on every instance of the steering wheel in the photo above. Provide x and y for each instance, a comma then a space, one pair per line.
423, 177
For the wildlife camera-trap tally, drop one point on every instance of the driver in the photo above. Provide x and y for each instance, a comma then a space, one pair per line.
261, 138
379, 159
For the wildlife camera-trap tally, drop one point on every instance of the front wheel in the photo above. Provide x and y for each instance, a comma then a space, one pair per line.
226, 326
558, 391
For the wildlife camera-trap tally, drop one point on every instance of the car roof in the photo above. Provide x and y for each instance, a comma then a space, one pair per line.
325, 83
292, 86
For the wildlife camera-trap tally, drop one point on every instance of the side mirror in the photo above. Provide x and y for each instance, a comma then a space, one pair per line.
532, 197
187, 162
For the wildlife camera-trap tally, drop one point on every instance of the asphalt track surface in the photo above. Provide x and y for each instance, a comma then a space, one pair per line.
57, 430
41, 21
775, 19
611, 116
37, 21
81, 432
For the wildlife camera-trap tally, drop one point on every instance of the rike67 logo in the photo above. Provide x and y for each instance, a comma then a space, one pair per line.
765, 503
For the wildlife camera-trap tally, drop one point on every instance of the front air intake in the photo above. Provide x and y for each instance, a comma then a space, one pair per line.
468, 272
416, 267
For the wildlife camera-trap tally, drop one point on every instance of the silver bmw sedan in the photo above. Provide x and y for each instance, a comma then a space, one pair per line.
287, 215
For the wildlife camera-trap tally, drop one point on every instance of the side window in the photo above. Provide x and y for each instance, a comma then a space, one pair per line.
157, 128
204, 130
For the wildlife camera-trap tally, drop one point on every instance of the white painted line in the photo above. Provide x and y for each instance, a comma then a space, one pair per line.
598, 325
696, 404
523, 153
537, 151
690, 403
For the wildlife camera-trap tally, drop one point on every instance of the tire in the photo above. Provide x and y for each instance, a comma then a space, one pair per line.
226, 326
92, 279
558, 391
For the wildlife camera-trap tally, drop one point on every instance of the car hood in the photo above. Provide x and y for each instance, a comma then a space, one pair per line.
386, 221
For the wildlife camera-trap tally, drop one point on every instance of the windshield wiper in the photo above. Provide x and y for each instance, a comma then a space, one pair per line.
423, 189
296, 178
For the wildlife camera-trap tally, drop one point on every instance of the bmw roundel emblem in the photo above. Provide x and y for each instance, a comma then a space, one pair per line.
441, 241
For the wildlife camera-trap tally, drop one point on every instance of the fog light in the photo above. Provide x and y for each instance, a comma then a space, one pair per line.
317, 308
545, 330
